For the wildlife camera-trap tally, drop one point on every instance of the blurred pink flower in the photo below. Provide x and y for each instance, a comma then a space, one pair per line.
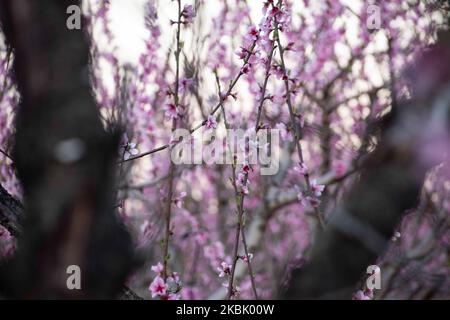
188, 13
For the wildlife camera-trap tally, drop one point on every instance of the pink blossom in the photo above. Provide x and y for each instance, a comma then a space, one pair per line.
313, 201
242, 183
224, 269
185, 84
157, 268
285, 133
274, 11
178, 201
246, 168
301, 168
252, 34
339, 168
146, 230
316, 52
172, 111
158, 287
130, 151
245, 259
173, 296
360, 295
211, 122
242, 53
246, 69
307, 200
188, 13
397, 235
317, 188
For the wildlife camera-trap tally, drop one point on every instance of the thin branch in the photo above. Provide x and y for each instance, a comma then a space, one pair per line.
240, 209
293, 117
264, 87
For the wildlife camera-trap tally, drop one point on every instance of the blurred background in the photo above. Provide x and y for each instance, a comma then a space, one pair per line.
368, 83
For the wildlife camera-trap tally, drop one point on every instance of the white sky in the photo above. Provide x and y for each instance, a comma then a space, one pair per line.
127, 22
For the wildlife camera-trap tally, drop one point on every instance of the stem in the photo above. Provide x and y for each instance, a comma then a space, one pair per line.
240, 203
240, 208
263, 91
292, 116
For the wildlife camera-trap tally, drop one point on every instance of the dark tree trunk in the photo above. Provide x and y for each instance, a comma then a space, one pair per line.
390, 183
65, 161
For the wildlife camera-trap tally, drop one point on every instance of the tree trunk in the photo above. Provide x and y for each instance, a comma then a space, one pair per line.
66, 163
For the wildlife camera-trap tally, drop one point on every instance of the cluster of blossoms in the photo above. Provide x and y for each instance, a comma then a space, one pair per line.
225, 272
129, 149
242, 183
167, 289
310, 197
363, 295
172, 111
211, 122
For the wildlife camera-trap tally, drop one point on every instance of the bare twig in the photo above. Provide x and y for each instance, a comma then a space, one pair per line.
172, 166
293, 117
240, 210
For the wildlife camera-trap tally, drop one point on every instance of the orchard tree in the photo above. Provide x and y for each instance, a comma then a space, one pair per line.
355, 97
